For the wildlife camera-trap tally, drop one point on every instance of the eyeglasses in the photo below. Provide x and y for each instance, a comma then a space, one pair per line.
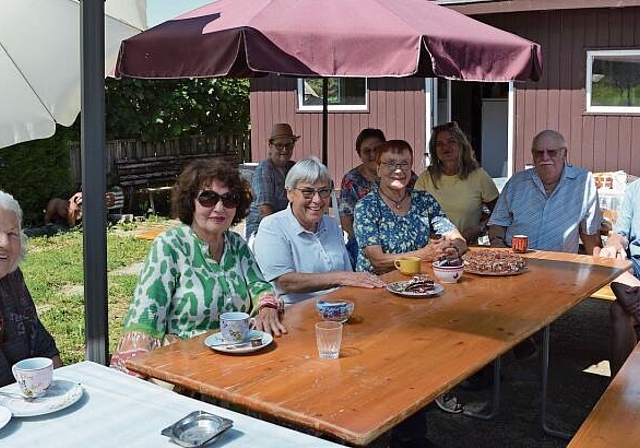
552, 153
283, 146
392, 166
309, 193
210, 198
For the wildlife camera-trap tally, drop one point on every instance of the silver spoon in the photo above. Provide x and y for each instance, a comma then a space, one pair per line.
12, 395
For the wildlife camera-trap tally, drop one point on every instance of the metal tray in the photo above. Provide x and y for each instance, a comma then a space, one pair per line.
197, 429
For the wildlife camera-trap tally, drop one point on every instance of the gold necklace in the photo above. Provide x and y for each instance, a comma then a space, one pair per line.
398, 203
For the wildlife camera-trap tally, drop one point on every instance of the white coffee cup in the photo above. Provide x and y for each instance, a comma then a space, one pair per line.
34, 376
235, 326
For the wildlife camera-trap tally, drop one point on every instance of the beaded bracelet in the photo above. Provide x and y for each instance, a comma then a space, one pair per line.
271, 301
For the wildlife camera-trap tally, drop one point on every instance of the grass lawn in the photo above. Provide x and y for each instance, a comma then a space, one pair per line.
53, 270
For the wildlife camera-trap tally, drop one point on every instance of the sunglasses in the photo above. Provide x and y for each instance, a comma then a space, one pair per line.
209, 198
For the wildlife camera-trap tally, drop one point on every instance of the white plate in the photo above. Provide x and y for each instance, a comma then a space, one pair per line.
397, 288
5, 416
216, 342
61, 394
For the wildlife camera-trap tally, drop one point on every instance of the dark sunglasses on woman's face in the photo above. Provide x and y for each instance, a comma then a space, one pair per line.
209, 198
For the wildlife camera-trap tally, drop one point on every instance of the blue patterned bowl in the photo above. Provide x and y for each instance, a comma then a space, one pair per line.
336, 311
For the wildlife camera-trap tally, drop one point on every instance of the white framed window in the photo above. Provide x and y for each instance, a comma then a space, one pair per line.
345, 94
613, 81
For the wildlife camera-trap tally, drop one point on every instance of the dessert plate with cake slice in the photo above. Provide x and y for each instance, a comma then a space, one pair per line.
419, 287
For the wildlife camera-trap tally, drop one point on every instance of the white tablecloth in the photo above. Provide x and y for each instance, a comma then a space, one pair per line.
118, 410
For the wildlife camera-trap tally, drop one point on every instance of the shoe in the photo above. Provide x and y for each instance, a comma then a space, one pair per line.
628, 297
449, 403
525, 350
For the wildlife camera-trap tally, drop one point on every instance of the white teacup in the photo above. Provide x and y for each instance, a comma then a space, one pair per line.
34, 376
235, 326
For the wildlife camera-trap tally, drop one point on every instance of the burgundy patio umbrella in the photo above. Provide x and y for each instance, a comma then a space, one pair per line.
328, 38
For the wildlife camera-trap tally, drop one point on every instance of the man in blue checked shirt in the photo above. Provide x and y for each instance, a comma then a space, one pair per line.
555, 204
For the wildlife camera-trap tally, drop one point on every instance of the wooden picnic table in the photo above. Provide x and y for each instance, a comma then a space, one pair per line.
398, 354
613, 422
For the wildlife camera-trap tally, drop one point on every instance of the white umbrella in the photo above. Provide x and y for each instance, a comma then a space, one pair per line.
40, 61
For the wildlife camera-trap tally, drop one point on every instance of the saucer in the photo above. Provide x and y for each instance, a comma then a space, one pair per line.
61, 394
5, 416
216, 342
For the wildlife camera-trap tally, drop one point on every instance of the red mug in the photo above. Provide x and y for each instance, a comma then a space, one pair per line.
520, 243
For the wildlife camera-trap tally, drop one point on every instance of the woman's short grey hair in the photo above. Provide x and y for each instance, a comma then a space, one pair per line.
7, 202
309, 169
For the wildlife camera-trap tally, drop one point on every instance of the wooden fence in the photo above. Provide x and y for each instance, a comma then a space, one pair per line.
234, 145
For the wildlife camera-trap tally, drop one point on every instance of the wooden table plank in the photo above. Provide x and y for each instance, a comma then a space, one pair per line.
613, 422
398, 354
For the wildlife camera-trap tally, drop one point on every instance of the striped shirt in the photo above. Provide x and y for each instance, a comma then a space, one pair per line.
628, 223
553, 222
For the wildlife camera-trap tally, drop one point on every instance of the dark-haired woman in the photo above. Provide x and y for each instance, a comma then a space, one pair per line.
198, 270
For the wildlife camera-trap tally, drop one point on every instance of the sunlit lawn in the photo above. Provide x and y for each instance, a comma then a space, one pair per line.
53, 271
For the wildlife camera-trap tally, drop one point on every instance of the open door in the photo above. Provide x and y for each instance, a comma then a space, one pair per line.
484, 112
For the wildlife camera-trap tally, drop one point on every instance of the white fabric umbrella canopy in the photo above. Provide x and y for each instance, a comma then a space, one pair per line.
40, 61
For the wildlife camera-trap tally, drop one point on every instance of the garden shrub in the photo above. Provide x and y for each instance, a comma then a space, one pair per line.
36, 171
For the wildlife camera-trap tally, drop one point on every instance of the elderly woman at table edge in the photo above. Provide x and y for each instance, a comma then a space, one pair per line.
625, 311
395, 221
555, 204
359, 181
200, 269
456, 180
22, 335
301, 249
267, 181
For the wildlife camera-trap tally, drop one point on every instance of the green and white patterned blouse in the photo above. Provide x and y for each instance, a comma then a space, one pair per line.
182, 290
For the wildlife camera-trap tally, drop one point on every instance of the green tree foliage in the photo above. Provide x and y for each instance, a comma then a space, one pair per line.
153, 110
34, 172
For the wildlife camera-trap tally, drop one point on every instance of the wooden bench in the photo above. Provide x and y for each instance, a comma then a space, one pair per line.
153, 174
613, 422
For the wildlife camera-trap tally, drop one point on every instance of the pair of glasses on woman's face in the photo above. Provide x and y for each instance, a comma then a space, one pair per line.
210, 198
393, 165
309, 193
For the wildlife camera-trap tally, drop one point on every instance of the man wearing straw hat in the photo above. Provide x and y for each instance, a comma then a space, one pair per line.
267, 183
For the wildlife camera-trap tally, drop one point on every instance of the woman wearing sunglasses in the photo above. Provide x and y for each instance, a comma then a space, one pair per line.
200, 269
301, 249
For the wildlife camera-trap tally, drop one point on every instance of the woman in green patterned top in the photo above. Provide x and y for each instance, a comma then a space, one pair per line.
198, 270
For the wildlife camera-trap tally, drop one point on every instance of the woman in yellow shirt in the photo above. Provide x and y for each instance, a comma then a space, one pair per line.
456, 180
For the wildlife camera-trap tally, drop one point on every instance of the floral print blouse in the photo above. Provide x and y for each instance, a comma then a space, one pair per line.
377, 225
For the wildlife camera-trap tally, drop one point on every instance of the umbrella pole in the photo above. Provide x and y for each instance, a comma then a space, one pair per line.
94, 179
325, 120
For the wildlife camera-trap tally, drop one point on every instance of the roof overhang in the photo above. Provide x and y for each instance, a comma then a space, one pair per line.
473, 7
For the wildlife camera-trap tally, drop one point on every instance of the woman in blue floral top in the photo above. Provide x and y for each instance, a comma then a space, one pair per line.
394, 220
359, 181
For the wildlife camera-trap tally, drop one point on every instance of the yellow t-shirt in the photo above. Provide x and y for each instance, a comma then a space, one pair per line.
460, 199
